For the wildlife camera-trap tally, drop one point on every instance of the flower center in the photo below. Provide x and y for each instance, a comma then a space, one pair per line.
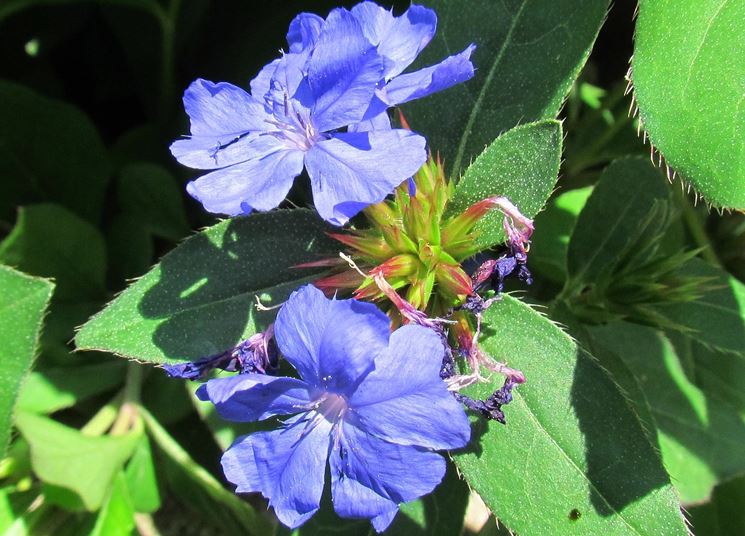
295, 126
332, 406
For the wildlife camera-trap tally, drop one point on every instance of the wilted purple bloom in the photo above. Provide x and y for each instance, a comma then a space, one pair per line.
258, 354
491, 408
320, 107
369, 402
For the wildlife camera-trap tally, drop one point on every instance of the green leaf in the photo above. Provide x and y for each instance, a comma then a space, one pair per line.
624, 196
192, 484
130, 248
721, 375
598, 131
142, 480
688, 70
12, 506
717, 318
200, 299
527, 57
699, 436
117, 515
724, 514
553, 227
148, 193
51, 241
522, 164
23, 301
57, 388
572, 458
49, 151
63, 457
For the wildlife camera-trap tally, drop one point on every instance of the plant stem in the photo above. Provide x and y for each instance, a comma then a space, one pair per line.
145, 525
167, 20
128, 411
104, 418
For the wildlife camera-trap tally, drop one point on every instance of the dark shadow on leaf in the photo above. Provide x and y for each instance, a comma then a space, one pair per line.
704, 420
619, 472
206, 292
479, 427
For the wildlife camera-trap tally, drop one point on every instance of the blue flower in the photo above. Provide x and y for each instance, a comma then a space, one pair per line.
399, 40
321, 107
370, 403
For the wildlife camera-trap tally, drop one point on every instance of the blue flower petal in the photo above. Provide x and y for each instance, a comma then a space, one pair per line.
356, 169
356, 333
216, 109
343, 71
214, 152
260, 183
261, 85
449, 72
287, 466
352, 500
304, 31
224, 120
299, 328
405, 401
331, 343
289, 92
254, 397
399, 39
396, 472
376, 118
383, 521
222, 115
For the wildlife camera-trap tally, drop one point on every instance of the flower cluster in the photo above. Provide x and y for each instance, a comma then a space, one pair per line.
322, 106
376, 394
420, 249
372, 405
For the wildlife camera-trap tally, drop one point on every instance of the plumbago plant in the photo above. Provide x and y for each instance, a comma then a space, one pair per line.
439, 289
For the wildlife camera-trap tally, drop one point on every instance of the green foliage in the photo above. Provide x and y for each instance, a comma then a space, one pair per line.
724, 515
620, 269
23, 301
521, 164
688, 68
571, 443
81, 467
141, 479
56, 388
50, 241
116, 517
528, 55
624, 197
192, 484
717, 317
698, 435
149, 195
553, 228
49, 151
199, 300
